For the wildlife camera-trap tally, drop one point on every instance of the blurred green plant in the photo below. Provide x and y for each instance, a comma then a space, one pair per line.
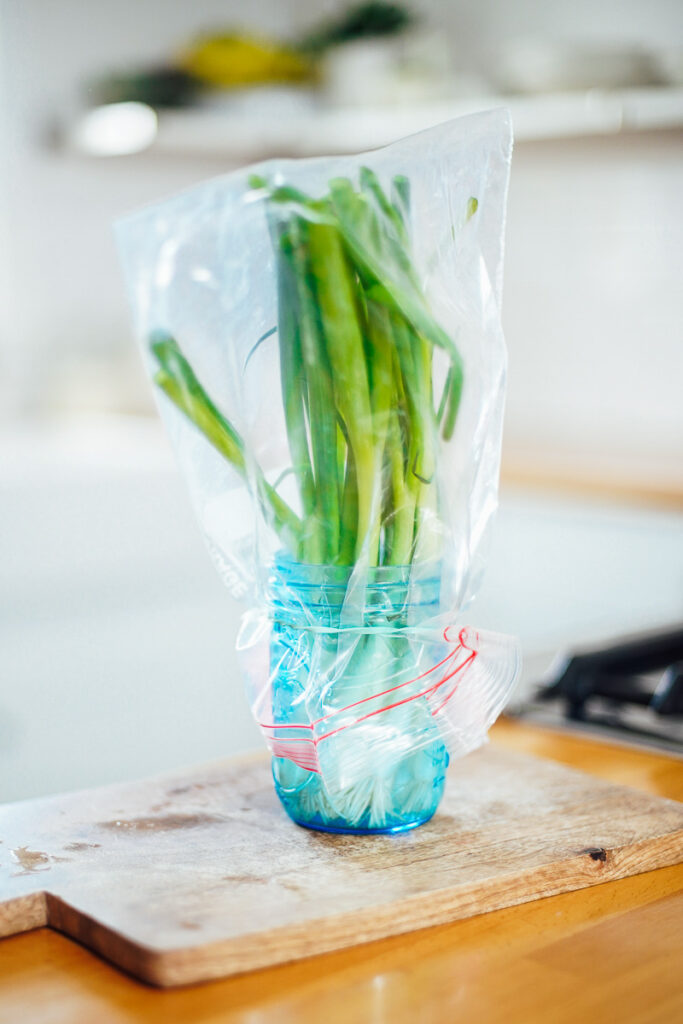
361, 21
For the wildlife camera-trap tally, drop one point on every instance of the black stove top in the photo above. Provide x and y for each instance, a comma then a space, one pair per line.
629, 690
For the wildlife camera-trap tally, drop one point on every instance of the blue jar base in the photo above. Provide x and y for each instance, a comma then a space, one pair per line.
347, 830
382, 804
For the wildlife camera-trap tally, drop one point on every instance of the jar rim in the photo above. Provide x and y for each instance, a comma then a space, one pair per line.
326, 594
305, 574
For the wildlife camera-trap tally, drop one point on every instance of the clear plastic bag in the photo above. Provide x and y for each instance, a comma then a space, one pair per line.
326, 343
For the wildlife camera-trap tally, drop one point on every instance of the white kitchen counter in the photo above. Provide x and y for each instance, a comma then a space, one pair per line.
117, 636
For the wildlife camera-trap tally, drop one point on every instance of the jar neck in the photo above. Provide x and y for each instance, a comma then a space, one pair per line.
328, 596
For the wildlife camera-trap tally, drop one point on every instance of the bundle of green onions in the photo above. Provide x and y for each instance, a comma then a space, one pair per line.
356, 340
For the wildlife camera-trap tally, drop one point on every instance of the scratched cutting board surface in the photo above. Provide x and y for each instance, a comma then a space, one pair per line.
200, 875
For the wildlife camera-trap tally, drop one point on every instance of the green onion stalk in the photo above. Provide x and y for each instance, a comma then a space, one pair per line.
356, 346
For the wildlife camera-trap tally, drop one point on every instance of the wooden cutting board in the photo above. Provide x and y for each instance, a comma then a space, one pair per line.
185, 878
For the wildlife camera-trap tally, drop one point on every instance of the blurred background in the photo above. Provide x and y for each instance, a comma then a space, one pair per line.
117, 637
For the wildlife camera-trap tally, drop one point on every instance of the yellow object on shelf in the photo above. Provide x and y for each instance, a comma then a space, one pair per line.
234, 60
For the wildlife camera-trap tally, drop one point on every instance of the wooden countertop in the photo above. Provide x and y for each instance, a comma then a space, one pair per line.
609, 952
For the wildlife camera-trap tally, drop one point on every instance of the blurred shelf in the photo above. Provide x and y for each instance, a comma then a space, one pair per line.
259, 126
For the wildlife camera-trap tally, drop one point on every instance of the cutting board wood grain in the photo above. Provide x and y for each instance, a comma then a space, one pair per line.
200, 875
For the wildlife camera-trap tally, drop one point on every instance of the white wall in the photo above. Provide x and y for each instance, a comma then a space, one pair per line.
592, 301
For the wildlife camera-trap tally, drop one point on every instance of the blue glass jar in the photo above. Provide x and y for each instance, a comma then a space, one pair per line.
331, 651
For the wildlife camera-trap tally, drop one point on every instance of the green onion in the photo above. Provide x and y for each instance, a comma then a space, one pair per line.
356, 339
177, 380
